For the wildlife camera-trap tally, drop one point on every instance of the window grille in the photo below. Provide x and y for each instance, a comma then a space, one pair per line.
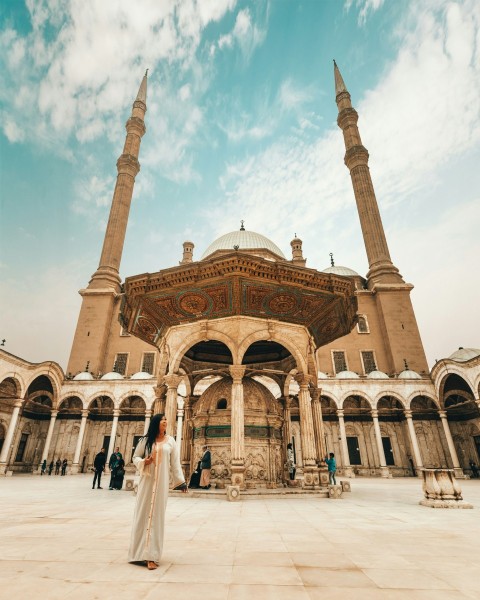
148, 362
339, 361
120, 364
369, 363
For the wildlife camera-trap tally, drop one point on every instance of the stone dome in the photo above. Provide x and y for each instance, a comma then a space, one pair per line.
464, 354
245, 240
344, 271
407, 374
112, 375
83, 376
377, 375
257, 398
347, 375
141, 375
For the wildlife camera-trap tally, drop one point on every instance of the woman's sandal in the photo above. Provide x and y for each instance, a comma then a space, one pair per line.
151, 565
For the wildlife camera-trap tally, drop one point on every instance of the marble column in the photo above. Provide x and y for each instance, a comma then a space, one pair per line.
347, 469
384, 471
451, 446
178, 437
238, 427
185, 450
172, 381
148, 416
78, 448
414, 441
112, 445
287, 426
9, 437
318, 424
309, 452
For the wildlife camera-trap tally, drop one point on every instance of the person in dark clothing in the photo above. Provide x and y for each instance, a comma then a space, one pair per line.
195, 477
44, 467
64, 466
474, 469
58, 464
115, 463
332, 468
119, 472
206, 465
50, 468
99, 467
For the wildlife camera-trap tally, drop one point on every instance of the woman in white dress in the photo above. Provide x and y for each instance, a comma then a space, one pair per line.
155, 456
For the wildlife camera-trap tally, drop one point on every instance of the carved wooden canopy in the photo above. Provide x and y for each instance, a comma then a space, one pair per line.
239, 284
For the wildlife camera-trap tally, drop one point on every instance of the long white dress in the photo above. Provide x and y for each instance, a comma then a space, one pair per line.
146, 542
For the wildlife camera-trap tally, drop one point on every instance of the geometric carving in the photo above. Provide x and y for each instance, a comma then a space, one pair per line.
282, 303
193, 304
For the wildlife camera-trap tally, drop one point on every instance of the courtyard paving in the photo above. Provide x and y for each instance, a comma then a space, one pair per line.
59, 539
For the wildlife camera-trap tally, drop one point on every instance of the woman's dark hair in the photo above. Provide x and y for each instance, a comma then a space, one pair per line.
152, 432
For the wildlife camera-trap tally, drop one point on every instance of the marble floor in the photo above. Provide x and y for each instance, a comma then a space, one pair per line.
59, 539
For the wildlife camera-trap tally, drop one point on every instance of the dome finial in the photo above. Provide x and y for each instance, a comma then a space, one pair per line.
242, 228
332, 262
406, 364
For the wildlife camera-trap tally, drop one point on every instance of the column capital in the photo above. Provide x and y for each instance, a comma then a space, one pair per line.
18, 404
340, 412
148, 412
374, 413
315, 393
442, 414
85, 413
408, 413
116, 413
303, 379
160, 390
237, 372
53, 414
173, 380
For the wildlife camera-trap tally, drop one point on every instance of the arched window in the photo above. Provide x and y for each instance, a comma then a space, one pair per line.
222, 404
362, 325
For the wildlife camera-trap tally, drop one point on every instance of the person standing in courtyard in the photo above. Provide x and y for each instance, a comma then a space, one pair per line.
64, 466
99, 468
119, 473
291, 462
332, 468
112, 465
206, 466
50, 467
156, 457
44, 467
58, 464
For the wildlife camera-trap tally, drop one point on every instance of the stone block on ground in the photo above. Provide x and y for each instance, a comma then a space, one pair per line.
233, 493
335, 491
346, 486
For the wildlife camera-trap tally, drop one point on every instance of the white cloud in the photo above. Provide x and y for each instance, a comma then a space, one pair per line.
247, 34
12, 131
365, 8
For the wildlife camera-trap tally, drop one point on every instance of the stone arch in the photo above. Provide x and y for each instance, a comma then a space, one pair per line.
272, 336
288, 384
358, 393
187, 381
392, 394
53, 372
422, 394
104, 399
195, 338
454, 375
131, 394
71, 403
12, 383
73, 393
196, 391
276, 386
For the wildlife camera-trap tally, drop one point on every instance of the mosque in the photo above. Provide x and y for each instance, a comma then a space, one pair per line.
247, 350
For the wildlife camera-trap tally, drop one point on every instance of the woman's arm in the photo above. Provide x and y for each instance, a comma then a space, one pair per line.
139, 455
175, 467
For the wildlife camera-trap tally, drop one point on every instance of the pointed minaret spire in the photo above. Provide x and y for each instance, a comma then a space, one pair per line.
107, 274
381, 270
339, 83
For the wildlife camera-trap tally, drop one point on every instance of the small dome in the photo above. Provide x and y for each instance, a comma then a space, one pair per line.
344, 271
347, 375
112, 375
464, 354
141, 375
322, 375
245, 240
256, 397
377, 375
83, 376
409, 375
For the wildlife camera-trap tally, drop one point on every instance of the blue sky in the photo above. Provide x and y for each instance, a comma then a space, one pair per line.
241, 124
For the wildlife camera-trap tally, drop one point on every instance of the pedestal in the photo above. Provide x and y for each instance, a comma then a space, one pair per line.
441, 489
233, 493
335, 492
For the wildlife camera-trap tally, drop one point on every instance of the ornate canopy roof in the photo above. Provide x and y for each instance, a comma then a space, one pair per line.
237, 283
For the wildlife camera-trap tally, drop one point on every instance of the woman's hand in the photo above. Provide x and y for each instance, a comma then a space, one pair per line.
149, 459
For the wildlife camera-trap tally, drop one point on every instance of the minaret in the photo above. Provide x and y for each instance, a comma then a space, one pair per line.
381, 268
100, 300
397, 326
107, 274
297, 252
187, 253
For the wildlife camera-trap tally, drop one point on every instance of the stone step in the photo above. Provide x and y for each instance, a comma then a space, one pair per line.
255, 493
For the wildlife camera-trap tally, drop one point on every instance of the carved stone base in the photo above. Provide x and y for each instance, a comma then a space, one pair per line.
459, 474
348, 472
294, 483
334, 492
238, 476
310, 478
346, 487
445, 504
129, 484
384, 472
233, 493
74, 469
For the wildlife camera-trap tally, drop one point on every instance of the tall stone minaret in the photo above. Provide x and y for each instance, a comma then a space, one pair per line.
381, 268
397, 325
100, 299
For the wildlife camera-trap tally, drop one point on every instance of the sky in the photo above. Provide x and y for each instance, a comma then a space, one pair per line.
241, 124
